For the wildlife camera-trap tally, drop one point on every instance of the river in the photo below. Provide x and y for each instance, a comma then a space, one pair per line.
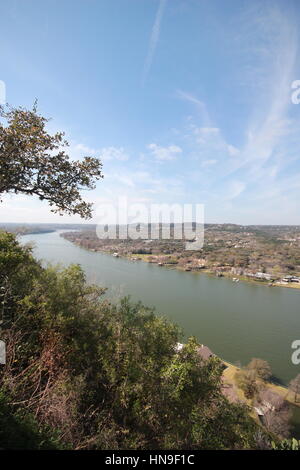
237, 321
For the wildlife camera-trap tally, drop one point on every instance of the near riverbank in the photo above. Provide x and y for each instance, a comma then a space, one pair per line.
229, 377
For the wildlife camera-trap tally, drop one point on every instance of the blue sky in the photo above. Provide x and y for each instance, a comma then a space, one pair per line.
185, 101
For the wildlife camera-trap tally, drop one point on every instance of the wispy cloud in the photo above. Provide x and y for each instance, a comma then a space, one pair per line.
257, 171
111, 153
153, 40
200, 105
206, 163
164, 153
271, 136
234, 189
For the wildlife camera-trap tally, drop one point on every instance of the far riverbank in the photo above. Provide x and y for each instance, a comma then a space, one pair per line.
149, 259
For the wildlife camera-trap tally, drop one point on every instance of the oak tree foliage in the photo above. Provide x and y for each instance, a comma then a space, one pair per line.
34, 162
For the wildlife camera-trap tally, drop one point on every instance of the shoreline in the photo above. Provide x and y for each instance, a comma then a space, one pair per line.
226, 275
281, 390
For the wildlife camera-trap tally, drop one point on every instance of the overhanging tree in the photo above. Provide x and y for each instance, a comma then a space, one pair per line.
34, 162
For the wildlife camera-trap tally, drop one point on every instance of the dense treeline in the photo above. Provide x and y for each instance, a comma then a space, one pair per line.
83, 373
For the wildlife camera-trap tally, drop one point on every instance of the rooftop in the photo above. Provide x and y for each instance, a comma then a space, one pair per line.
205, 352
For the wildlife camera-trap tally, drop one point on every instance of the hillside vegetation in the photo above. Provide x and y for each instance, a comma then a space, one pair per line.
82, 373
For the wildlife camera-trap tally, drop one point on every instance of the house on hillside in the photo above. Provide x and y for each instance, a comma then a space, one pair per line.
205, 352
290, 279
265, 276
268, 401
179, 347
202, 350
